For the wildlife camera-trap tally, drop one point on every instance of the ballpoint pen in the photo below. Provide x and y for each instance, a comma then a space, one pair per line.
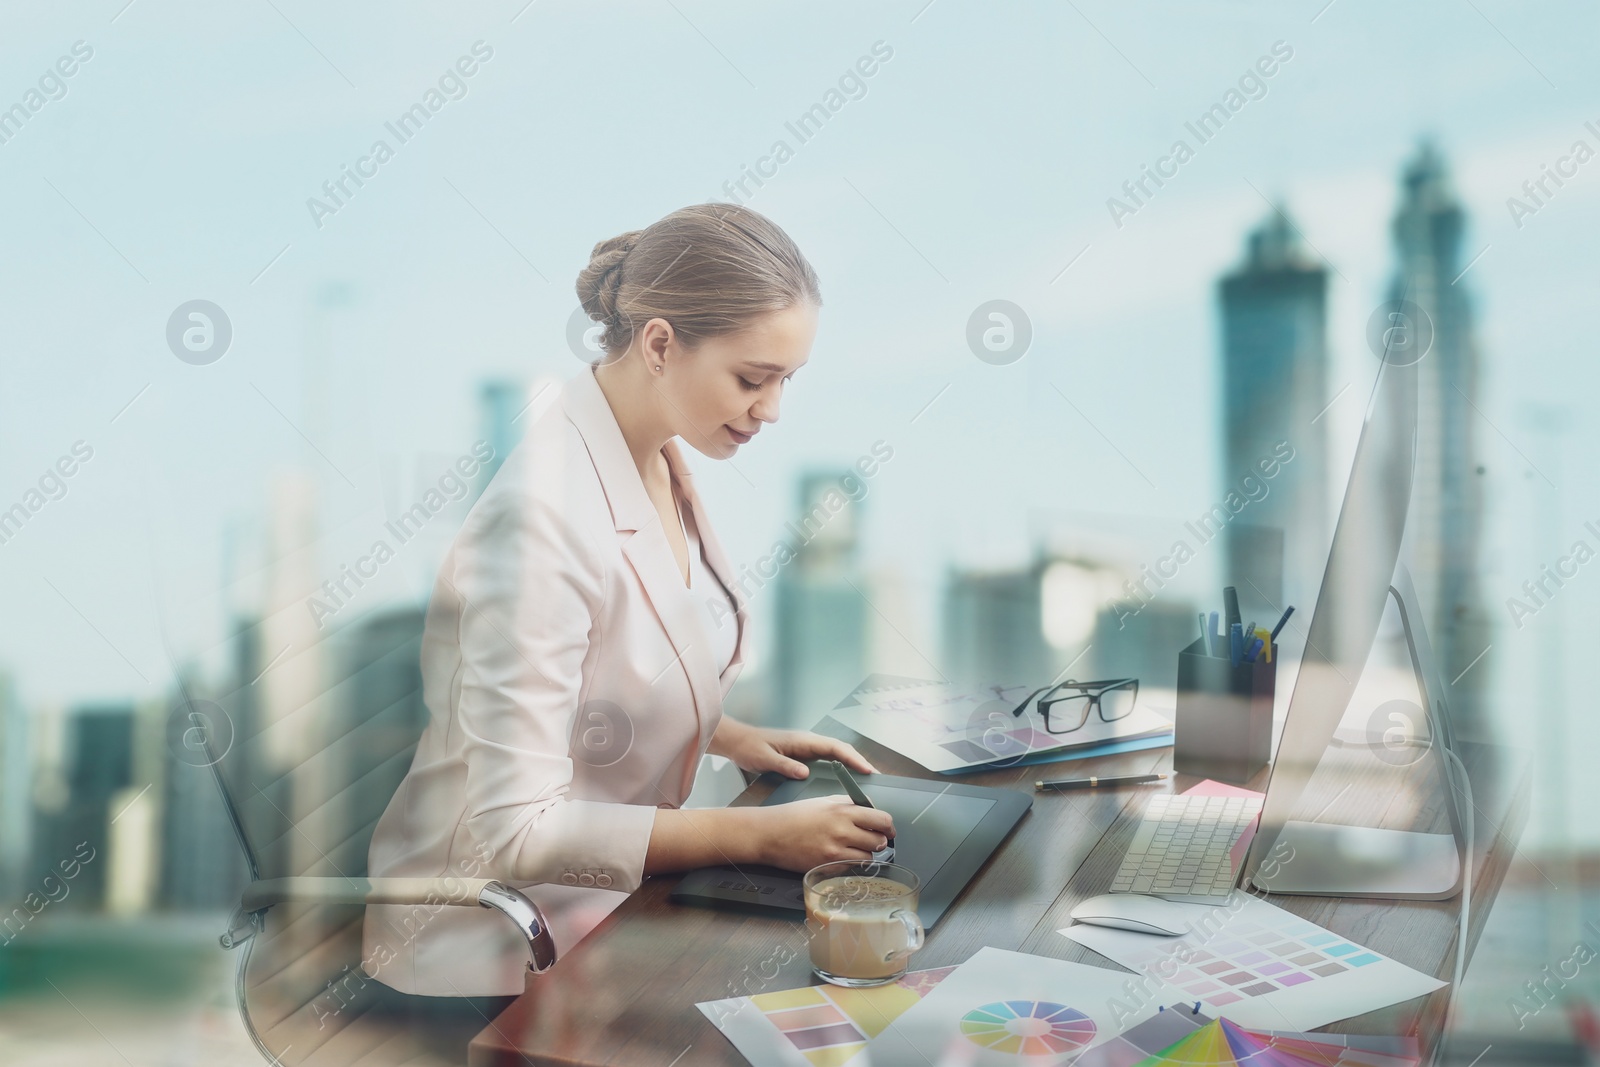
1286, 613
1098, 783
857, 795
1236, 643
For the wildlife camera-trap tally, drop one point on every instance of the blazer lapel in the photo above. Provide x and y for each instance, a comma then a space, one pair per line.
717, 560
650, 554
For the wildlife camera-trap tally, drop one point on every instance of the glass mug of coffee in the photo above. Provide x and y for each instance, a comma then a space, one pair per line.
863, 923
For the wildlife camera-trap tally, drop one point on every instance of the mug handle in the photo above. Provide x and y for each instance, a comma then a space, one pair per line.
914, 932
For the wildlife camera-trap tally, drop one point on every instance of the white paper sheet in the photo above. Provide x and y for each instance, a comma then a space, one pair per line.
1013, 1009
1262, 967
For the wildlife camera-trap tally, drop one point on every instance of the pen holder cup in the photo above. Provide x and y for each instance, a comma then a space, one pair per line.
1223, 728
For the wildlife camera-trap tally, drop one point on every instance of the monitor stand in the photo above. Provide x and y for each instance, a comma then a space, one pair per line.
1326, 860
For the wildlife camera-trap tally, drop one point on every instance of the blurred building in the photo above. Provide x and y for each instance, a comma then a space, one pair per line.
821, 631
98, 765
505, 408
993, 627
1058, 618
290, 676
1274, 387
1446, 522
500, 401
201, 864
375, 717
16, 790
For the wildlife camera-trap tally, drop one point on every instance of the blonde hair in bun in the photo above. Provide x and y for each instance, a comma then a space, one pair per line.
708, 269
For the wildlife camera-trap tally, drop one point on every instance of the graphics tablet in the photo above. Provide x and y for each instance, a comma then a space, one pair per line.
943, 830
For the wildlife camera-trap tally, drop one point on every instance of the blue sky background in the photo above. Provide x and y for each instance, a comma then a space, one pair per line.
976, 166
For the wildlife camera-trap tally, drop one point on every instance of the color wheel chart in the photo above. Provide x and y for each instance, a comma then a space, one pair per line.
1028, 1027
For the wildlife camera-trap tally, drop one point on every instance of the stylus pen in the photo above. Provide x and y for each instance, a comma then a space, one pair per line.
1096, 783
855, 791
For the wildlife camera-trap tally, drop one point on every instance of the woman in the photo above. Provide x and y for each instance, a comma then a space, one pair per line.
585, 625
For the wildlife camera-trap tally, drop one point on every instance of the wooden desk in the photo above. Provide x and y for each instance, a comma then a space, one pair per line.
627, 993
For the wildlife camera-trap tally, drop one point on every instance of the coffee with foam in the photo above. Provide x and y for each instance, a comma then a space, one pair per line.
856, 928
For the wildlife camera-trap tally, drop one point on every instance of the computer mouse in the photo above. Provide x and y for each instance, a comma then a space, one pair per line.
1131, 911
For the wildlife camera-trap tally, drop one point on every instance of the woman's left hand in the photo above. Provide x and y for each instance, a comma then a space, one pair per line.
759, 748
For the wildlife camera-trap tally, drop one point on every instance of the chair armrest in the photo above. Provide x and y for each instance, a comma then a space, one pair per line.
460, 892
457, 891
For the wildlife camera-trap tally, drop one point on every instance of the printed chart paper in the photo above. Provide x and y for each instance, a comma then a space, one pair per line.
1010, 1009
1223, 1044
816, 1025
1139, 1043
1179, 1035
1261, 966
947, 730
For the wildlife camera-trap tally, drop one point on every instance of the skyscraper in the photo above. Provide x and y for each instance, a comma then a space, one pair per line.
201, 865
1446, 520
993, 628
499, 402
821, 618
99, 763
506, 407
376, 716
16, 789
1275, 373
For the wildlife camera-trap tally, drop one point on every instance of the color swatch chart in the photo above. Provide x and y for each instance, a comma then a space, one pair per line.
1176, 1038
818, 1025
1262, 966
1223, 1044
1248, 959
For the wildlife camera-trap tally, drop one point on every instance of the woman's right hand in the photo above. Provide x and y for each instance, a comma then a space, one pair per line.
807, 833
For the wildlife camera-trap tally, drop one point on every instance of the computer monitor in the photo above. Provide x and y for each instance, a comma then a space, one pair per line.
1314, 856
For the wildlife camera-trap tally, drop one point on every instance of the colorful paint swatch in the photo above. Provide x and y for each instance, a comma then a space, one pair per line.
1220, 1043
1138, 1042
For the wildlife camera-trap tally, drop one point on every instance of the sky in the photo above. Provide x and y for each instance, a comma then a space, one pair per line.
975, 163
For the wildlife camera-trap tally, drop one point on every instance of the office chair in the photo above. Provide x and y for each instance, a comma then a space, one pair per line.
305, 770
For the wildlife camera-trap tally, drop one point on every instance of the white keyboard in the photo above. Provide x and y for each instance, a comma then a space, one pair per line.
1181, 850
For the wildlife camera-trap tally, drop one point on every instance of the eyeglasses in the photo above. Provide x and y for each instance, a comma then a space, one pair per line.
1066, 706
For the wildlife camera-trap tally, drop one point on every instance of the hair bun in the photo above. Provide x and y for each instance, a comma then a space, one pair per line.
601, 281
705, 270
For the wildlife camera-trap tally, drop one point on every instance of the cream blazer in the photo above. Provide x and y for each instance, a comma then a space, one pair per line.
571, 692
